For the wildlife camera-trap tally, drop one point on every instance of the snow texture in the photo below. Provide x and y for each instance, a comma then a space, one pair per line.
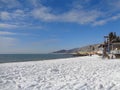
81, 73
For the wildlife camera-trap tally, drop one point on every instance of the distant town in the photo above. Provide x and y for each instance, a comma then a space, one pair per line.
109, 48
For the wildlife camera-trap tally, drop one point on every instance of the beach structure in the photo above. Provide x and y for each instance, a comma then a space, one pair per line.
111, 46
115, 49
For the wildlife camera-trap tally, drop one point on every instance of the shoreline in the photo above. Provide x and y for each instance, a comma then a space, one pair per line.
11, 58
46, 60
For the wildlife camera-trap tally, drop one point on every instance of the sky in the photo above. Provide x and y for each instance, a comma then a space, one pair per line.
43, 26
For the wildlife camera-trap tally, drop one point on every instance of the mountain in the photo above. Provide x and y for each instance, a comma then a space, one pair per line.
88, 48
61, 51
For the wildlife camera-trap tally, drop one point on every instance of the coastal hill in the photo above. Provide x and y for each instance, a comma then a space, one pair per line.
88, 48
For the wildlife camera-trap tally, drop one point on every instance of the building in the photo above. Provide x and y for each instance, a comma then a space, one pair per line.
111, 46
116, 49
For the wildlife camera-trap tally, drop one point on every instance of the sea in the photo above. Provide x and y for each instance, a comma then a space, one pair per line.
7, 58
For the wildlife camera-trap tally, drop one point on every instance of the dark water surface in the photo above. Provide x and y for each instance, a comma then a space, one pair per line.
5, 58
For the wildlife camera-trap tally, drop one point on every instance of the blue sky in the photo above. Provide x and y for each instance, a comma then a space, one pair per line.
43, 26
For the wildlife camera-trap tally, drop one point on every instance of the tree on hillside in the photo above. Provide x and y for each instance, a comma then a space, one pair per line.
112, 36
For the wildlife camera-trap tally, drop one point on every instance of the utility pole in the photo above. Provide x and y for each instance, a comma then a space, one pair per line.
105, 46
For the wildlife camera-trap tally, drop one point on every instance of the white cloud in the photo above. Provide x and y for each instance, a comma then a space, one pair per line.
14, 16
9, 3
44, 14
20, 25
74, 15
101, 22
35, 3
116, 17
7, 33
81, 17
79, 14
4, 16
114, 4
104, 21
4, 25
18, 12
19, 15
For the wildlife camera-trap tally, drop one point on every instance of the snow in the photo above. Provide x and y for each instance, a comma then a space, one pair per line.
80, 73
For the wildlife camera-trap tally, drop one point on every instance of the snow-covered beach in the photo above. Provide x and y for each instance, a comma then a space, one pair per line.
80, 73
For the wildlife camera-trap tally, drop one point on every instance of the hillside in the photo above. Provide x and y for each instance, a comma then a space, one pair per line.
81, 49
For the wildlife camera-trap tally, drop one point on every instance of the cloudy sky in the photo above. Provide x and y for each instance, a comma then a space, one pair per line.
42, 26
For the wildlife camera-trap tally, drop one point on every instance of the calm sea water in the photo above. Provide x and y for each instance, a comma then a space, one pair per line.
5, 58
